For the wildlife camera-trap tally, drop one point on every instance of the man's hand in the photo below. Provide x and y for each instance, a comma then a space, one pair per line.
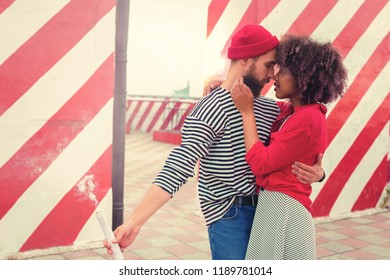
309, 174
125, 234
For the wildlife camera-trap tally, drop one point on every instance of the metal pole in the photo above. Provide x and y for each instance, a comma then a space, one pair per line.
118, 143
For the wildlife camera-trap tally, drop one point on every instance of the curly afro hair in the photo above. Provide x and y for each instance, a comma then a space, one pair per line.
317, 68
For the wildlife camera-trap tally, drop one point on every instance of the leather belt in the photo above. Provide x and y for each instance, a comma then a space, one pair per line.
246, 200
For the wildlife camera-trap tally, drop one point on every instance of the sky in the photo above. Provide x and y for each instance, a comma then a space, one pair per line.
166, 44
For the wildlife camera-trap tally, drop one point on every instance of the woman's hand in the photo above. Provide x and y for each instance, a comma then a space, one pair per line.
210, 86
242, 97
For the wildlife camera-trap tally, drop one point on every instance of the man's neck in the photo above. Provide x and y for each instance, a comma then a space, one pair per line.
235, 71
231, 78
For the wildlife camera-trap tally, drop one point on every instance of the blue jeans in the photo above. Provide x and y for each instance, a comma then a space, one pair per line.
229, 236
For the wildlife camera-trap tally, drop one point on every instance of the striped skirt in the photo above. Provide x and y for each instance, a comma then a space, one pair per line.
282, 229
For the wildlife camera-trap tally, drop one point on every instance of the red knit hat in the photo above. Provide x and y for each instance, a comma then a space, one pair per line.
250, 41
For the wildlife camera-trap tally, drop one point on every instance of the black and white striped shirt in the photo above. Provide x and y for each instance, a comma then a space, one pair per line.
213, 133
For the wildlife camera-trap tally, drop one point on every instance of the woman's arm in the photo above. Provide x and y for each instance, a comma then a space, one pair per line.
278, 156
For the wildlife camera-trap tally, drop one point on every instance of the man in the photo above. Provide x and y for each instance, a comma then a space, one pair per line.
212, 133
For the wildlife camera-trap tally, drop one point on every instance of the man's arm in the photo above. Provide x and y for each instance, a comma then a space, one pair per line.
125, 234
197, 136
309, 174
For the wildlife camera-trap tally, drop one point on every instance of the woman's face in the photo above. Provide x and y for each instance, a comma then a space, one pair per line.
285, 85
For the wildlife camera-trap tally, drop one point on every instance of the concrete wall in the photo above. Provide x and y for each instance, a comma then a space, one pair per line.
56, 95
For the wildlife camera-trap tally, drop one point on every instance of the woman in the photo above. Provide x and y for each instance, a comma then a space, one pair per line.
309, 75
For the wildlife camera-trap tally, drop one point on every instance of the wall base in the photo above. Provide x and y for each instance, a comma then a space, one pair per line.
171, 137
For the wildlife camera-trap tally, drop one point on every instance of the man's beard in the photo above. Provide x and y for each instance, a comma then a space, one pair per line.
254, 84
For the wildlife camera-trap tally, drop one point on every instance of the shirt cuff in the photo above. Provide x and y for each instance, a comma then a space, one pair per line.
323, 177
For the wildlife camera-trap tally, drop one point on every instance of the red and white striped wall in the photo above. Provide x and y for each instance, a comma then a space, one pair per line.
56, 107
56, 90
161, 116
356, 161
149, 114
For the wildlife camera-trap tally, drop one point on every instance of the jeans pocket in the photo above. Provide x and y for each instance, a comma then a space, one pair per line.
231, 213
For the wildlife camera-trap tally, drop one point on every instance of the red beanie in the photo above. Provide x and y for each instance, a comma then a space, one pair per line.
250, 41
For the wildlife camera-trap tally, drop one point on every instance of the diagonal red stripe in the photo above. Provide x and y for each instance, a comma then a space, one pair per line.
144, 116
4, 5
128, 124
64, 223
36, 155
373, 190
157, 116
133, 115
188, 110
345, 42
358, 88
358, 25
311, 17
170, 116
32, 60
334, 185
215, 11
256, 12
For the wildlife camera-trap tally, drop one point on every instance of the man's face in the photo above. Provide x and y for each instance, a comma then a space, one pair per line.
260, 72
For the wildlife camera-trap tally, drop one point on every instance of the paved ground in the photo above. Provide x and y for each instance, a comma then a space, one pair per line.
177, 231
